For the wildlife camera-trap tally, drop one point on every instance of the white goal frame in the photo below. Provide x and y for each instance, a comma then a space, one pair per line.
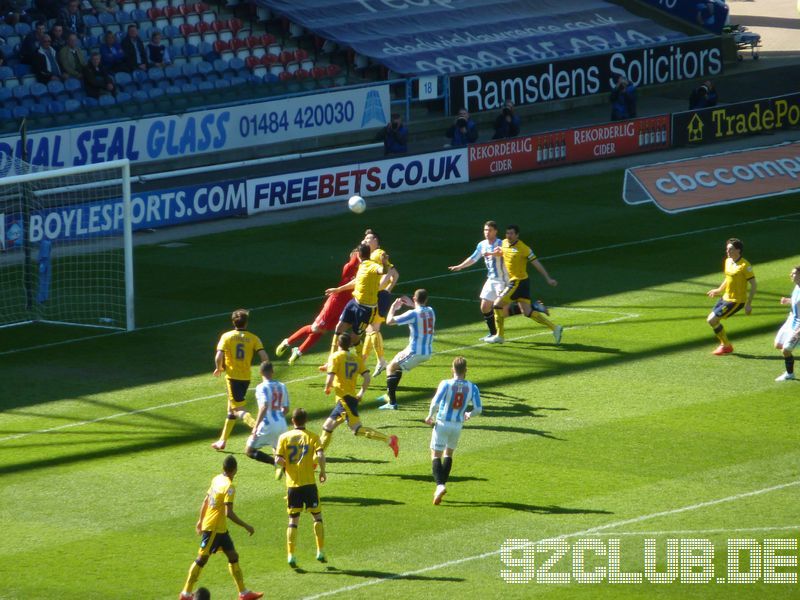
127, 228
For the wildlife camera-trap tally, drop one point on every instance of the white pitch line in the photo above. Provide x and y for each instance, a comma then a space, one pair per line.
583, 532
418, 280
191, 400
702, 531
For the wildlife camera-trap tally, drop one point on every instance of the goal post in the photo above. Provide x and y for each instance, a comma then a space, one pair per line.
66, 245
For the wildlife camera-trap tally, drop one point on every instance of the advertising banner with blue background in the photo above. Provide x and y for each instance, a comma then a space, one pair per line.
150, 210
709, 14
206, 131
414, 37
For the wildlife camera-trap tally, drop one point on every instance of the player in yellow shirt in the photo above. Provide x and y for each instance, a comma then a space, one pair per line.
374, 338
234, 355
738, 274
344, 367
297, 451
516, 256
212, 525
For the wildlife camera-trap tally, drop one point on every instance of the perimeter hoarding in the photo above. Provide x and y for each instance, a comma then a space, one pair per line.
716, 179
501, 157
586, 75
729, 121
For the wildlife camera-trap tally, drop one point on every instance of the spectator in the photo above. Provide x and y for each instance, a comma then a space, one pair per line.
506, 125
395, 136
96, 79
14, 11
113, 58
463, 131
157, 53
57, 38
48, 9
104, 6
72, 19
45, 64
135, 53
623, 100
71, 58
2, 58
31, 43
704, 96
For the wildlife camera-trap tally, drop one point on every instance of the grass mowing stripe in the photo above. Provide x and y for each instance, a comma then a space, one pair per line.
703, 531
589, 531
418, 280
16, 436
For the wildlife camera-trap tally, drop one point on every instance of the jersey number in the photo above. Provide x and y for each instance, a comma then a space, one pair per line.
240, 351
277, 398
350, 369
458, 400
427, 325
294, 450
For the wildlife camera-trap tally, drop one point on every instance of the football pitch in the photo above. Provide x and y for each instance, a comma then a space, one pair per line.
628, 431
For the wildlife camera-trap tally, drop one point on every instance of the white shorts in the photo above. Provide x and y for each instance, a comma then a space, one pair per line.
408, 359
445, 435
784, 337
267, 435
493, 289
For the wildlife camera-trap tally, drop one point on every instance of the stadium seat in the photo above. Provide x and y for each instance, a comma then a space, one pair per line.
123, 78
276, 69
6, 30
106, 100
123, 97
301, 74
208, 16
193, 19
189, 88
172, 72
205, 86
146, 4
291, 67
204, 69
243, 54
187, 30
190, 50
251, 62
155, 74
285, 76
162, 4
105, 18
123, 18
269, 60
19, 112
155, 93
21, 91
300, 55
222, 83
11, 83
21, 70
202, 27
6, 114
286, 57
173, 33
260, 72
236, 64
5, 94
220, 66
209, 37
71, 105
37, 110
173, 11
89, 20
334, 70
236, 43
22, 29
207, 51
258, 52
97, 31
319, 72
154, 13
5, 73
160, 23
37, 90
139, 76
138, 15
140, 96
89, 102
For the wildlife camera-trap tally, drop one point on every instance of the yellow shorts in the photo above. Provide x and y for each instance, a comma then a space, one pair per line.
346, 409
517, 290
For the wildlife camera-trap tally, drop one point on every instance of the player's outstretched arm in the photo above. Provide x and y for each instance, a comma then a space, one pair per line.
717, 290
467, 262
543, 272
234, 518
342, 288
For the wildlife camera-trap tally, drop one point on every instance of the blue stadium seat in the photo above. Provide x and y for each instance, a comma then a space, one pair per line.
173, 90
123, 97
205, 69
105, 18
140, 96
155, 93
189, 70
238, 80
205, 86
72, 85
163, 84
222, 84
106, 100
11, 83
21, 91
55, 87
27, 101
5, 94
89, 19
6, 30
5, 114
20, 70
189, 88
172, 72
55, 107
139, 76
123, 78
89, 102
173, 33
155, 74
22, 28
236, 64
38, 90
37, 109
220, 66
5, 73
139, 15
123, 18
19, 112
71, 105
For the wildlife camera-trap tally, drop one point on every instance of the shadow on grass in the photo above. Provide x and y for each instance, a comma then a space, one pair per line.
353, 460
359, 501
370, 574
531, 508
523, 430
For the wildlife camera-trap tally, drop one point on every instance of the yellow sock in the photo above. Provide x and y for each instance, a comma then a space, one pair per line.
500, 321
722, 336
369, 343
325, 439
226, 429
194, 575
247, 418
540, 318
372, 434
236, 572
378, 343
319, 534
291, 539
359, 347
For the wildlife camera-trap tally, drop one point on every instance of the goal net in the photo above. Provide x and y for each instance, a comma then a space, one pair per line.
66, 252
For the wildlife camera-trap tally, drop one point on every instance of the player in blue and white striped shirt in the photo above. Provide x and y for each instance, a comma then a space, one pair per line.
447, 414
273, 404
420, 323
496, 274
789, 335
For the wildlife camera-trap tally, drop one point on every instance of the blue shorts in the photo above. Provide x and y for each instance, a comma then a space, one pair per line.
358, 316
346, 409
211, 541
724, 309
385, 300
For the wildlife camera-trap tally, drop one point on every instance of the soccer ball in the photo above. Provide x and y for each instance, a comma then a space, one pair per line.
357, 204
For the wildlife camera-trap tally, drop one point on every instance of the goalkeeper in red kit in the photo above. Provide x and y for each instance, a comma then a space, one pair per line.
326, 320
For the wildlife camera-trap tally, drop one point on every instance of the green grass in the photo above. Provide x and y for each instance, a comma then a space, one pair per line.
629, 420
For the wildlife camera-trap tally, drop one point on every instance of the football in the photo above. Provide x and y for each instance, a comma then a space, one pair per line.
357, 204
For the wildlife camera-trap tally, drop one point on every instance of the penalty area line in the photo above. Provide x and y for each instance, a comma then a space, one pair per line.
583, 532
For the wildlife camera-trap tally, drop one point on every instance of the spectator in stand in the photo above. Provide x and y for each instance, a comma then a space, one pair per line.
96, 79
45, 63
105, 6
72, 19
704, 96
14, 11
623, 100
48, 9
463, 131
113, 58
71, 58
2, 58
157, 53
135, 52
395, 136
506, 125
57, 38
32, 42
